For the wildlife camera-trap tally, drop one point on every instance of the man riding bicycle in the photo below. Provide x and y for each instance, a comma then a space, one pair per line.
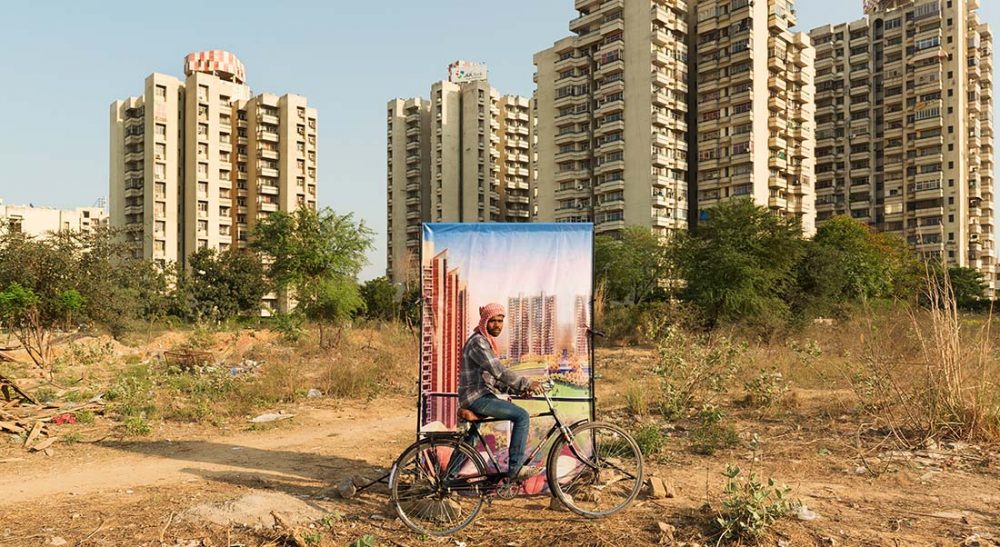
482, 378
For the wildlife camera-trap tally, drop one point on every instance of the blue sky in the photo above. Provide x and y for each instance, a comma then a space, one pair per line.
70, 59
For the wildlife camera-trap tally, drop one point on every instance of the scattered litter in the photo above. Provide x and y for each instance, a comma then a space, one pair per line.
314, 393
56, 540
36, 421
272, 417
65, 418
803, 513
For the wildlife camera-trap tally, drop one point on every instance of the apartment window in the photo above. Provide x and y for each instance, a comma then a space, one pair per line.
202, 226
160, 170
202, 189
161, 131
203, 170
161, 92
300, 146
160, 150
203, 130
202, 92
159, 209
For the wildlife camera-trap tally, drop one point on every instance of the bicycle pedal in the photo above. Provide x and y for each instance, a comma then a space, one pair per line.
508, 491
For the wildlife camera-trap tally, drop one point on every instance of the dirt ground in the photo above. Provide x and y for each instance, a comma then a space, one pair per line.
188, 485
183, 487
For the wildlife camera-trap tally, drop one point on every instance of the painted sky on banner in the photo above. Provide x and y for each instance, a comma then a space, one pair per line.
500, 261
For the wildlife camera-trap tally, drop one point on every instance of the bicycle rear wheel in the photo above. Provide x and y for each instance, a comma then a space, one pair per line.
426, 500
599, 473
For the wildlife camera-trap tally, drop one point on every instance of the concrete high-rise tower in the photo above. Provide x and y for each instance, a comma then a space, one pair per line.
195, 163
905, 134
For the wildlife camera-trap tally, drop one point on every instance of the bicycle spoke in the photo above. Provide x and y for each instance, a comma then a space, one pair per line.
606, 470
430, 497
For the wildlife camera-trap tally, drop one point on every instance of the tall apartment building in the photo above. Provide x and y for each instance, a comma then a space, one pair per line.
611, 114
462, 156
755, 118
408, 189
904, 134
645, 85
195, 163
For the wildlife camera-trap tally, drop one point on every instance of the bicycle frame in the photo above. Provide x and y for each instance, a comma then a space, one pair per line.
473, 437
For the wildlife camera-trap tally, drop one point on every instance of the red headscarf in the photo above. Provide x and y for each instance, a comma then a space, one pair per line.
485, 313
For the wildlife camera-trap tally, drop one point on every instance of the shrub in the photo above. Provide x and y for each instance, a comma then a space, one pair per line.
291, 326
765, 389
636, 402
750, 507
131, 395
136, 426
367, 540
649, 438
945, 388
695, 369
711, 434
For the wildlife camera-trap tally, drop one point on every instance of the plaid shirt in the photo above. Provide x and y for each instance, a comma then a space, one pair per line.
481, 372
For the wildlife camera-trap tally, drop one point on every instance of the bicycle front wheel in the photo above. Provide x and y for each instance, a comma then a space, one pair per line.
596, 473
428, 489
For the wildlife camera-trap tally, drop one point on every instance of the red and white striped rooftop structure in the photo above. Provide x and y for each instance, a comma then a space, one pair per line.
221, 63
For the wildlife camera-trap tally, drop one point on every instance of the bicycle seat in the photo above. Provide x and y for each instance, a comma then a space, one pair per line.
467, 415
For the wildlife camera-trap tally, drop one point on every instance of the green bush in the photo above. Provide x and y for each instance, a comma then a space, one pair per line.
131, 395
695, 369
711, 435
291, 326
750, 507
765, 389
649, 437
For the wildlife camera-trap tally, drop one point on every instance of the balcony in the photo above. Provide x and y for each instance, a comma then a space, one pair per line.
267, 136
269, 207
269, 154
267, 172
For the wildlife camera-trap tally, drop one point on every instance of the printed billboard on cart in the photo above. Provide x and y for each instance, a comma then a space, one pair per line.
543, 276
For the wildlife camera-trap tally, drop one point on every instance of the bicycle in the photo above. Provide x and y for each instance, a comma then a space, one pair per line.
589, 465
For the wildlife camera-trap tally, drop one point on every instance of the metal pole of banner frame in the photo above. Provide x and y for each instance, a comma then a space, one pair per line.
420, 329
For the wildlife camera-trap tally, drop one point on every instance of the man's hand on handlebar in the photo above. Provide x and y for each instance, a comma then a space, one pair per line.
534, 388
538, 387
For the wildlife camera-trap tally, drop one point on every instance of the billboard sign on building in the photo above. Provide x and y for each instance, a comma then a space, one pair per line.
543, 276
466, 71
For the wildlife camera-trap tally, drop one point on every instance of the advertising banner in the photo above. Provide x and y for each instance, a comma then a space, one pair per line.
542, 274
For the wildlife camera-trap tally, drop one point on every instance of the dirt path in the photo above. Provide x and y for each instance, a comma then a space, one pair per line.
205, 488
310, 447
